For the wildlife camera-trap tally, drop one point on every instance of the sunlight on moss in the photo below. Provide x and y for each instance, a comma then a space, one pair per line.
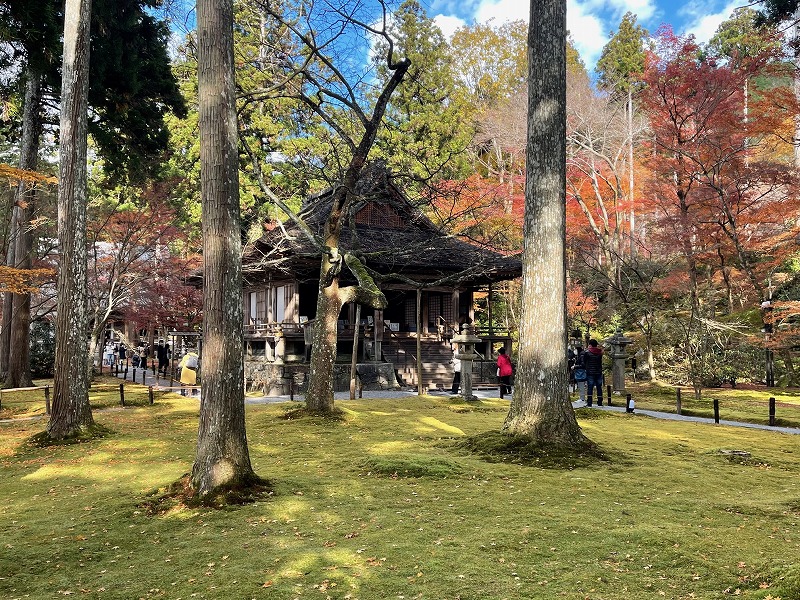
437, 424
387, 448
290, 509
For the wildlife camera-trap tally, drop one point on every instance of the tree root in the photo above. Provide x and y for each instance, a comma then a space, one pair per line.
180, 494
494, 446
81, 435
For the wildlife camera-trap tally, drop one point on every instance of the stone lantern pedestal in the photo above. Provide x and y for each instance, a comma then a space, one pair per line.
618, 342
466, 341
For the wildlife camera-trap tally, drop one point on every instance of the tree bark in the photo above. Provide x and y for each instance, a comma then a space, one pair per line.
631, 180
71, 414
540, 406
19, 364
8, 302
319, 397
222, 458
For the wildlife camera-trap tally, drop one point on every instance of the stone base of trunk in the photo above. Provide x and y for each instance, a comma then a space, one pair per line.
273, 379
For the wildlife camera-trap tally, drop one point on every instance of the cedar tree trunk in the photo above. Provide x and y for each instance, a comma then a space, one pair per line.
71, 414
19, 363
540, 406
222, 459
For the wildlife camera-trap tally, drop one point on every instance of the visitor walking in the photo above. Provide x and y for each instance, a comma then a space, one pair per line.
504, 371
456, 362
188, 367
579, 374
593, 361
162, 354
144, 352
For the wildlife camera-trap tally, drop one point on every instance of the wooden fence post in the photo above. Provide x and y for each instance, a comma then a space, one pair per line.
772, 411
122, 394
716, 411
47, 399
608, 393
150, 394
678, 401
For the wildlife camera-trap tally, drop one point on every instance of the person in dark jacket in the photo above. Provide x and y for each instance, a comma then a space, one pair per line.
593, 362
162, 354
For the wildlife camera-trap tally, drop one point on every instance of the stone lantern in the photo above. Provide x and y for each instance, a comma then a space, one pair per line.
618, 341
466, 341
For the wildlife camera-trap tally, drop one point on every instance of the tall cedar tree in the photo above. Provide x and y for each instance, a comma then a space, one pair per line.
540, 407
222, 459
424, 134
71, 414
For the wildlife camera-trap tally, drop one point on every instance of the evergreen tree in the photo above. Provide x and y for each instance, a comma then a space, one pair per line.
425, 133
621, 62
222, 460
71, 414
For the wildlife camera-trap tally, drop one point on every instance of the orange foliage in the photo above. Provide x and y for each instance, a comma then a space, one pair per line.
23, 281
483, 210
580, 307
784, 317
9, 172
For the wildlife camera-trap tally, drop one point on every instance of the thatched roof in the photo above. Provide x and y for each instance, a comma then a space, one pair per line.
392, 237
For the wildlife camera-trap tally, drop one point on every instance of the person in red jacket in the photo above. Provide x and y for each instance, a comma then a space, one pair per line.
504, 372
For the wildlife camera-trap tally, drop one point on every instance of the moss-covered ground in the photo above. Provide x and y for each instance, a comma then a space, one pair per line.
391, 500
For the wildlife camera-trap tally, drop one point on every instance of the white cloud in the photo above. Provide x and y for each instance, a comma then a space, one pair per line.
448, 24
502, 11
643, 9
704, 26
588, 32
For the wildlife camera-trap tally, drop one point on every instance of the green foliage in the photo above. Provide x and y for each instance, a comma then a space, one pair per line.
425, 133
740, 37
621, 62
43, 348
775, 11
131, 86
706, 353
489, 61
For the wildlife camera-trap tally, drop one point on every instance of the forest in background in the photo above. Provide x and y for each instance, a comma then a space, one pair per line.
681, 206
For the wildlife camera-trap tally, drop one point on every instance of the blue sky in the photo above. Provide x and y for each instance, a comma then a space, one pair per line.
591, 21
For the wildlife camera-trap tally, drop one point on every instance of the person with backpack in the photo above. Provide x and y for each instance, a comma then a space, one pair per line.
579, 374
593, 361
